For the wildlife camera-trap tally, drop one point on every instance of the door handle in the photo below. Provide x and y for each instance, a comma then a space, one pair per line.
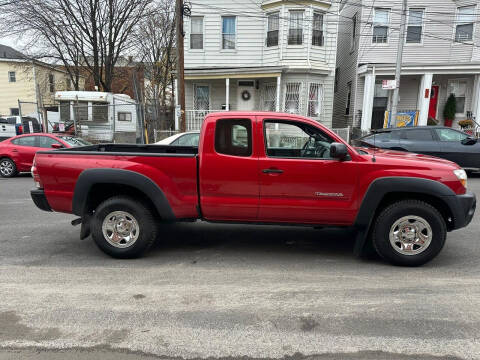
272, 171
14, 150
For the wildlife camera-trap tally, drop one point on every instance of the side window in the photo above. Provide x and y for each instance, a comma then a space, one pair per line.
25, 141
450, 135
293, 140
46, 142
233, 137
418, 134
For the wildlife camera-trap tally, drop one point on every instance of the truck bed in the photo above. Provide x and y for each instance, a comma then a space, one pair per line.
131, 149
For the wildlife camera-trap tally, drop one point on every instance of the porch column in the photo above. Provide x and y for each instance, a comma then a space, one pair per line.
277, 102
368, 94
476, 98
423, 102
227, 94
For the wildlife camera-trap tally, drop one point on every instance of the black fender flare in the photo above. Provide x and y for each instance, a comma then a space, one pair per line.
90, 177
381, 187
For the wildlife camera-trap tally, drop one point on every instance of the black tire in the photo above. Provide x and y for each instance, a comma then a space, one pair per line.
145, 220
3, 171
386, 220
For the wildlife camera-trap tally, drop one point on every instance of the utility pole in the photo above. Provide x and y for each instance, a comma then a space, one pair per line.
180, 63
398, 69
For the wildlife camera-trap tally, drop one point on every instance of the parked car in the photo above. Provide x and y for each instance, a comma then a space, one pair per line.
17, 153
444, 142
189, 138
257, 167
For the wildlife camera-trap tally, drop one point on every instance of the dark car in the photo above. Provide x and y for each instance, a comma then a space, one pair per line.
443, 142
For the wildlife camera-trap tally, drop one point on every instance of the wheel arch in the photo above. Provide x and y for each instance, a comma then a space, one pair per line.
95, 185
386, 191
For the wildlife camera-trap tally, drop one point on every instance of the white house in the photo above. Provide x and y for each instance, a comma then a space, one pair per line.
99, 116
269, 55
441, 56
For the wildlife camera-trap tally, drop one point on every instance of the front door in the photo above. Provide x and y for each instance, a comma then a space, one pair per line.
246, 93
432, 109
299, 182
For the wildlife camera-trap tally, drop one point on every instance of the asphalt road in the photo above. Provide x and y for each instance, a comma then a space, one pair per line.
227, 291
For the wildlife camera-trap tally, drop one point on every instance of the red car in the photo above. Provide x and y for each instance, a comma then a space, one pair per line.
17, 153
263, 168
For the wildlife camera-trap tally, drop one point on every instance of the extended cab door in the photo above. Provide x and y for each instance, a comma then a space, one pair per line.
229, 180
299, 182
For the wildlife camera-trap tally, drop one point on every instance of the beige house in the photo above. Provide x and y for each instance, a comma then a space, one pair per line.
28, 81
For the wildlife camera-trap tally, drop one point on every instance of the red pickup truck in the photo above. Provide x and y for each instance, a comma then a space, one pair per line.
262, 168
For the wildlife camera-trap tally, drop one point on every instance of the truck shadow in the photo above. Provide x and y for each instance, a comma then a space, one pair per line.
255, 240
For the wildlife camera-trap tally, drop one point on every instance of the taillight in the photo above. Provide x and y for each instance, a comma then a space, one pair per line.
36, 177
19, 130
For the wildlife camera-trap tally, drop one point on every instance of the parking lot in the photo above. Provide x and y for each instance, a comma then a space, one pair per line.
227, 291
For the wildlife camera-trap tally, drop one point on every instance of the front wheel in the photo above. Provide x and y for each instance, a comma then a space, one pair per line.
123, 227
409, 233
7, 168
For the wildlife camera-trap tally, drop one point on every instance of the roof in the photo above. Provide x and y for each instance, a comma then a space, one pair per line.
6, 52
97, 96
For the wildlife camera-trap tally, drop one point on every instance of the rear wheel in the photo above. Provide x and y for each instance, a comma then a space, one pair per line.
7, 168
123, 227
409, 233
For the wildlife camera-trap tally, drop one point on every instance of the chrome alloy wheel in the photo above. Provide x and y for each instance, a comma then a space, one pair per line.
410, 235
6, 168
120, 229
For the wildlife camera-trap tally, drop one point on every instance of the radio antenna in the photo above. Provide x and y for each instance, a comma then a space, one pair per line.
374, 145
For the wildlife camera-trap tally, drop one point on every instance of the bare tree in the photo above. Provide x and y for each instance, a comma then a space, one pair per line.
156, 49
82, 35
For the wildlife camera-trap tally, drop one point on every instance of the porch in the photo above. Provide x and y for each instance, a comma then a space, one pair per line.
425, 93
266, 89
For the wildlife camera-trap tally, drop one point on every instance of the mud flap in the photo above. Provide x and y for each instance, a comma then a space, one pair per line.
85, 229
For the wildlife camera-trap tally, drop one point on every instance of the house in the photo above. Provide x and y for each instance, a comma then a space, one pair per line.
275, 55
99, 116
29, 81
441, 56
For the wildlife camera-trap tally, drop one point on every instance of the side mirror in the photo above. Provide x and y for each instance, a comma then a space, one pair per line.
338, 151
57, 146
469, 141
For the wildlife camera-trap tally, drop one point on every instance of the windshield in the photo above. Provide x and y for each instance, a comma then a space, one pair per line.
74, 141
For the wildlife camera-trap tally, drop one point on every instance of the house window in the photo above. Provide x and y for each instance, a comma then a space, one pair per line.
315, 99
354, 32
349, 98
459, 89
14, 112
196, 32
272, 29
228, 32
270, 97
317, 29
51, 82
380, 26
124, 116
465, 20
292, 98
337, 79
415, 26
12, 76
295, 31
201, 97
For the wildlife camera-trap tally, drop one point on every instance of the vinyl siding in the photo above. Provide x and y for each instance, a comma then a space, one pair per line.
347, 56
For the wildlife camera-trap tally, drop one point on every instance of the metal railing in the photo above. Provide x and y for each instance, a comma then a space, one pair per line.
194, 118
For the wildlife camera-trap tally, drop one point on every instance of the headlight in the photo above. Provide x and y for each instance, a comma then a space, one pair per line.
461, 176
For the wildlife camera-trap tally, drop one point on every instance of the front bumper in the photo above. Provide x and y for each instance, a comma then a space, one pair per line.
463, 209
40, 200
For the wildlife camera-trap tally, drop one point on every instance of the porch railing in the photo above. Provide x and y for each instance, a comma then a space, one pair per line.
194, 118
